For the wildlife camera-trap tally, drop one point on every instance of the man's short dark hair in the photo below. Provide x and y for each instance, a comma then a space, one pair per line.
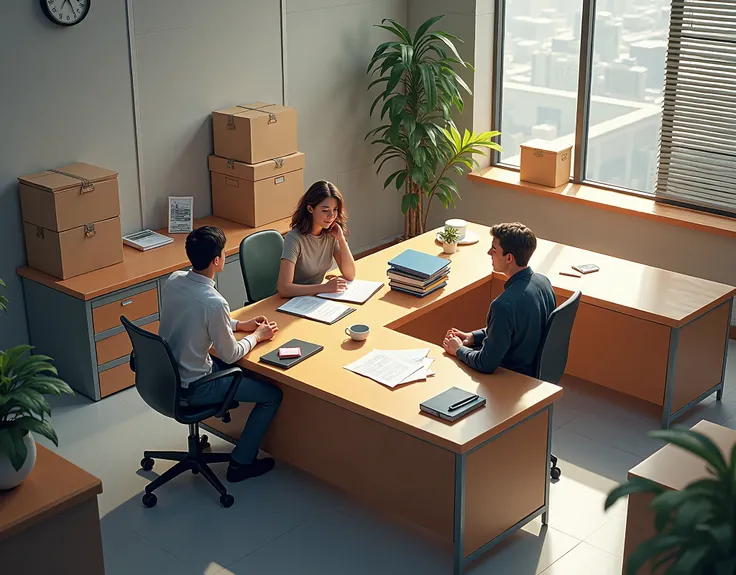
516, 239
203, 245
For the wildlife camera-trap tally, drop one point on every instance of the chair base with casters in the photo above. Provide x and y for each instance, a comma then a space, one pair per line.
158, 382
194, 460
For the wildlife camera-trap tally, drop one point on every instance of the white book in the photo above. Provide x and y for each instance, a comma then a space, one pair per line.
317, 309
359, 291
146, 240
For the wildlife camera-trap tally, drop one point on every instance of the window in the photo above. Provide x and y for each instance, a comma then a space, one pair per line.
541, 50
588, 73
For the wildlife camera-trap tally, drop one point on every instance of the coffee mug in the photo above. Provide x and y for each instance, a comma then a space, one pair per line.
459, 225
358, 331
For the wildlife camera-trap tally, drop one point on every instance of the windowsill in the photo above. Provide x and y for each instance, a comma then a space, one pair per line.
613, 201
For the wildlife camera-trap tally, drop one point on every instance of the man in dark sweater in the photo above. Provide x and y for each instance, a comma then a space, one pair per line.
517, 318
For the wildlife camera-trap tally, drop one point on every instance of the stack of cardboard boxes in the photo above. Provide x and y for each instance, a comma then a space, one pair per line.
71, 219
257, 173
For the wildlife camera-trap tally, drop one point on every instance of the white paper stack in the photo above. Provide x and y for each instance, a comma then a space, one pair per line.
394, 367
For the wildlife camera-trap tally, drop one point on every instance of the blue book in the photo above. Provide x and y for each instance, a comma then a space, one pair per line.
419, 264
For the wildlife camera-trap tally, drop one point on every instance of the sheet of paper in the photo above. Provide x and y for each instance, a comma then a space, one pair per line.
383, 368
406, 354
422, 373
359, 291
314, 308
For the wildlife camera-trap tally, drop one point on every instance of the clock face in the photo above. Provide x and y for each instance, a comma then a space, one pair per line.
66, 12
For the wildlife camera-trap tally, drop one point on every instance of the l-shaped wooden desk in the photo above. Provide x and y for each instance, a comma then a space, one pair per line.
653, 334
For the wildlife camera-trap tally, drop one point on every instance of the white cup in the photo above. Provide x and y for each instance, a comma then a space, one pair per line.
459, 225
358, 331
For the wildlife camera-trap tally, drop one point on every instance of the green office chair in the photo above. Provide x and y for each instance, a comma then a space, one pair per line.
260, 260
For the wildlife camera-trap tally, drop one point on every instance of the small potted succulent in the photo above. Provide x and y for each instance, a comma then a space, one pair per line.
449, 238
24, 380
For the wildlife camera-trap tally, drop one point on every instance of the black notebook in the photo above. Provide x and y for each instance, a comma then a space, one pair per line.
452, 404
308, 350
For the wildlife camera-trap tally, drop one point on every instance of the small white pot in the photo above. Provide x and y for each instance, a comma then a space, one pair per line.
9, 477
449, 248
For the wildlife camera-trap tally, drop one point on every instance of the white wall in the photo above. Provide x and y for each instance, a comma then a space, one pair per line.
329, 46
193, 57
66, 97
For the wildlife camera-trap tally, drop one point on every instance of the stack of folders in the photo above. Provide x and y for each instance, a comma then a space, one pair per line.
417, 273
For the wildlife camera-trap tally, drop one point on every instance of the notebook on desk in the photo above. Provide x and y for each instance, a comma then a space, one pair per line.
418, 264
452, 404
308, 350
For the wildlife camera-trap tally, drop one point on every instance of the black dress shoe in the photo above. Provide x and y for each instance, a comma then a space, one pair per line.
239, 472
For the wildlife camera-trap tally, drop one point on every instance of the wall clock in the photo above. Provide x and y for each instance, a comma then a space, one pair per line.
66, 12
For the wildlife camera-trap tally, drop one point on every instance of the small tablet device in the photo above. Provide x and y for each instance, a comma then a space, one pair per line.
289, 352
586, 268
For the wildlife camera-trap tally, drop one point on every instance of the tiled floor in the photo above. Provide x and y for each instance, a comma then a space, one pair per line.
289, 523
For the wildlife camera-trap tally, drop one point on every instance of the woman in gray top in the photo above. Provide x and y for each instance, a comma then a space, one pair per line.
318, 230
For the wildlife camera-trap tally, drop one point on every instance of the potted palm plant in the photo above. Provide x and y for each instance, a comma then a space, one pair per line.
696, 527
24, 380
420, 90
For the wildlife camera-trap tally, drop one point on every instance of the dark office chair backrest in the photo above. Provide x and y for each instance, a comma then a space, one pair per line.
260, 260
553, 350
156, 375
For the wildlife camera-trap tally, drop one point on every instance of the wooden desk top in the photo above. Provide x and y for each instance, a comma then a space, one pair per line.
511, 396
635, 289
138, 266
53, 485
673, 468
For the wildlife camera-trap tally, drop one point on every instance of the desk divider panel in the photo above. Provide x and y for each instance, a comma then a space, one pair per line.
387, 469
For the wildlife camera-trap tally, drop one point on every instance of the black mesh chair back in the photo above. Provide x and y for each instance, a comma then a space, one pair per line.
553, 350
156, 375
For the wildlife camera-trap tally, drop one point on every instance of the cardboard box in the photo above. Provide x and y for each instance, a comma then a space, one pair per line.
75, 251
545, 163
69, 197
258, 194
254, 133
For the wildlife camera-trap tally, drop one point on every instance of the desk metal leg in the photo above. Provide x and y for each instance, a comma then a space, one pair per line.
459, 529
545, 514
670, 380
719, 393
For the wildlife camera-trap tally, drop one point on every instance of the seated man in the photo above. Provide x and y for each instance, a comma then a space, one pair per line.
517, 318
194, 317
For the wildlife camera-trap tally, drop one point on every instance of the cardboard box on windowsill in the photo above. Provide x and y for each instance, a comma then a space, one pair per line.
545, 163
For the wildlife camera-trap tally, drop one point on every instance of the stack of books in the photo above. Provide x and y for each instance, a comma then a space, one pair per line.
417, 273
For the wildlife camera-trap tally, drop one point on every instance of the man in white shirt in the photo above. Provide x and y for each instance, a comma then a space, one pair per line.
194, 317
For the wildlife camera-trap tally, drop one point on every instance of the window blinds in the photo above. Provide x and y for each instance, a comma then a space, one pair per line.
697, 158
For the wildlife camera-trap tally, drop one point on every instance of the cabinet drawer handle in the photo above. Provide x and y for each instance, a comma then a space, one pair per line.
126, 302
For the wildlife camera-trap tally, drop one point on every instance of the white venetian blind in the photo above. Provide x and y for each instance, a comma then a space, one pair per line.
697, 161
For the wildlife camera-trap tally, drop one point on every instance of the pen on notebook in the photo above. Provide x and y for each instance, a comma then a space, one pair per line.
459, 404
570, 274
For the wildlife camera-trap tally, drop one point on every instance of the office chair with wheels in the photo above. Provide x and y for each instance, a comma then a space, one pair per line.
159, 384
260, 260
553, 350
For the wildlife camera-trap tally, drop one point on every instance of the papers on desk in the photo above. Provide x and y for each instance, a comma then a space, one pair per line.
394, 367
359, 291
315, 308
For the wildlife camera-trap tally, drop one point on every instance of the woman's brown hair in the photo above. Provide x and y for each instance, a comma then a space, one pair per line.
317, 192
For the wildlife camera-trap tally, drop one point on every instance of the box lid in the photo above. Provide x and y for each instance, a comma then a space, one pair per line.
68, 177
259, 171
548, 146
256, 111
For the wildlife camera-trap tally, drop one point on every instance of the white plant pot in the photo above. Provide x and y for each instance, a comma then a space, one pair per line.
9, 477
449, 248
